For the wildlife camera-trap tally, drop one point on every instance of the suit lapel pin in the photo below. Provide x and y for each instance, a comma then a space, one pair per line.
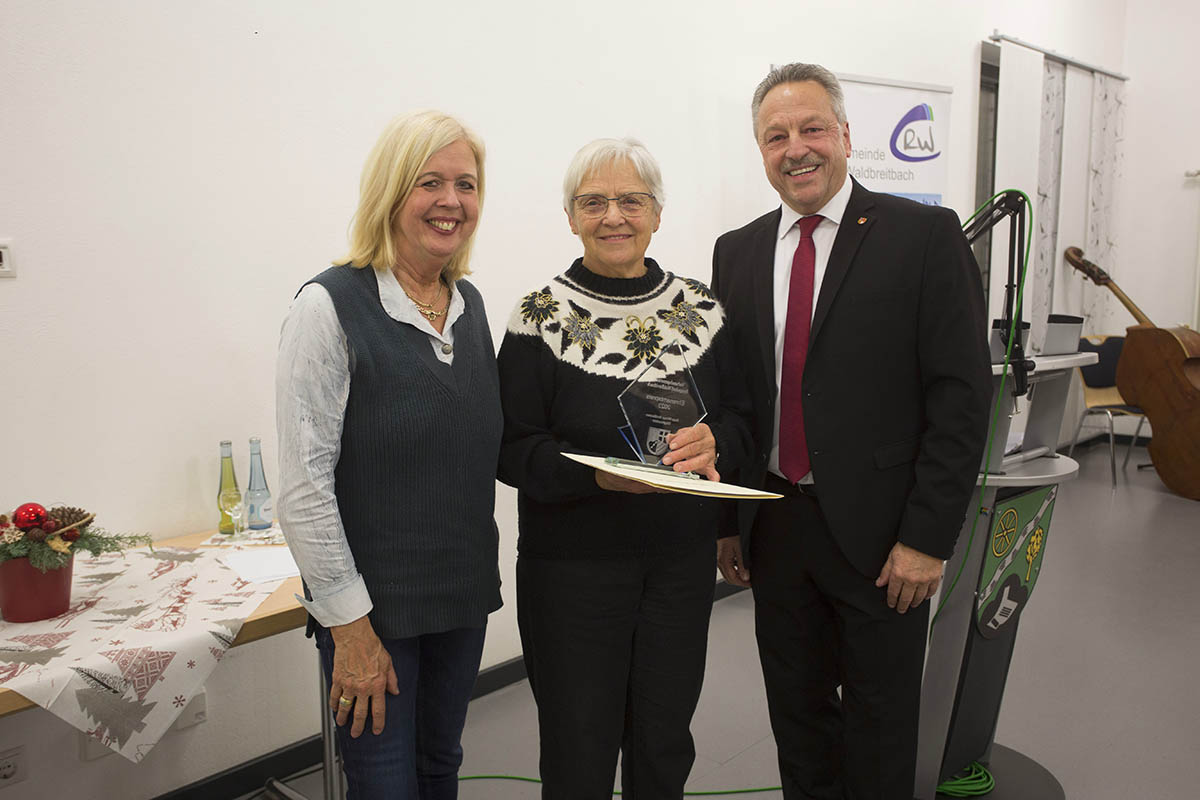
861, 220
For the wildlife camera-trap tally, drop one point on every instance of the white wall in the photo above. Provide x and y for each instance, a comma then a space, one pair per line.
1161, 208
171, 172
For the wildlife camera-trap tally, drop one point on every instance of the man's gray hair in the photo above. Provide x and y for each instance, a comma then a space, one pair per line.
798, 73
602, 152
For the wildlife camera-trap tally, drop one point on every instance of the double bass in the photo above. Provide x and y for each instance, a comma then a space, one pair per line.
1159, 372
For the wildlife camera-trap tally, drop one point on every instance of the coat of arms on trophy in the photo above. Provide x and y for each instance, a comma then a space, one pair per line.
656, 441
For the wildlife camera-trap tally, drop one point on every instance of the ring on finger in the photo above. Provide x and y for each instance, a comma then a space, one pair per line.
345, 702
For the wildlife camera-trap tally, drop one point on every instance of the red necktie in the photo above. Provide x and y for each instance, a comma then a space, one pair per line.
793, 447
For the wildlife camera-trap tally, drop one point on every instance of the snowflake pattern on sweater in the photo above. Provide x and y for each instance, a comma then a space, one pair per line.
614, 336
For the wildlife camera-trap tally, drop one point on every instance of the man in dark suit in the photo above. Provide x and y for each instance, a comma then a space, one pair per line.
860, 320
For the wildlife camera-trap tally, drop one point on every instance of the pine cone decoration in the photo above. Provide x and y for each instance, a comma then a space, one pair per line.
68, 515
35, 535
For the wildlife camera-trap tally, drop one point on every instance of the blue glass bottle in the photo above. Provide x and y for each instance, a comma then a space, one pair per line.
258, 496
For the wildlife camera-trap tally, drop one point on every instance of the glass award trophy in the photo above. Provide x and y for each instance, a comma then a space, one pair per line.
658, 403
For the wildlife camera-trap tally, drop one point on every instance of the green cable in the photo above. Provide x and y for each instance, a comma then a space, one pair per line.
617, 793
462, 778
987, 459
974, 781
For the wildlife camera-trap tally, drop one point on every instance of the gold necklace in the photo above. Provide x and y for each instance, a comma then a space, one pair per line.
426, 309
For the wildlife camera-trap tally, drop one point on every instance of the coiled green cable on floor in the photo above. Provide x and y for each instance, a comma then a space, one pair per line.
974, 781
720, 793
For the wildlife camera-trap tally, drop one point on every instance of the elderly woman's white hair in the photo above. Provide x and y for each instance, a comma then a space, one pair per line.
603, 152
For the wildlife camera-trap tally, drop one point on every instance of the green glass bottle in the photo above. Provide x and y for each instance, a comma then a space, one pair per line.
229, 497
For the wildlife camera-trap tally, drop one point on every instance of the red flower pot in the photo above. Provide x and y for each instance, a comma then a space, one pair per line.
27, 594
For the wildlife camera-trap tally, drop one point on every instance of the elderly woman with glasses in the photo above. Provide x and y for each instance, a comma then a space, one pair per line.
614, 579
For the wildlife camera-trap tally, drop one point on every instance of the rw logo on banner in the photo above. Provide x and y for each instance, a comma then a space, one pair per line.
898, 137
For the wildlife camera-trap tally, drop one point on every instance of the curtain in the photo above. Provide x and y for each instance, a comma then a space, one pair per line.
1105, 163
1080, 157
1040, 287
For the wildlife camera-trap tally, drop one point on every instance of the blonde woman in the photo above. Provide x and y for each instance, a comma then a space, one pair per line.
389, 428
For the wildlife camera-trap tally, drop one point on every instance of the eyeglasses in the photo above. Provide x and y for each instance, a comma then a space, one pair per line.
631, 205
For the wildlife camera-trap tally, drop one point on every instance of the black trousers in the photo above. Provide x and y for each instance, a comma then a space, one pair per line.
615, 652
822, 624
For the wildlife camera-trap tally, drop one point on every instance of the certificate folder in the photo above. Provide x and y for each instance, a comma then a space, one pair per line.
664, 478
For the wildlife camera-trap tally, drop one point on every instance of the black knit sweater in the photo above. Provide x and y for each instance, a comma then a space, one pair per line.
569, 350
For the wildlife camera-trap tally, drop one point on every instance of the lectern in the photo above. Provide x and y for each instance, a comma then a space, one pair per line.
974, 631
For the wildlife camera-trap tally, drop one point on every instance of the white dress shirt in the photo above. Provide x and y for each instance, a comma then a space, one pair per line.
785, 249
312, 385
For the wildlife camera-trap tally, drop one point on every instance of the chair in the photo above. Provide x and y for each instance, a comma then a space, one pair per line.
1100, 395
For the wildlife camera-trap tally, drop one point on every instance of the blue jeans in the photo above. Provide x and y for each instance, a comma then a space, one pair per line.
419, 752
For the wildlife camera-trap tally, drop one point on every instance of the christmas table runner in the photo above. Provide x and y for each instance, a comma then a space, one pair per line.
143, 632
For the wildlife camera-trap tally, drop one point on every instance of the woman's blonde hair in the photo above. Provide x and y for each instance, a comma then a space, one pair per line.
388, 177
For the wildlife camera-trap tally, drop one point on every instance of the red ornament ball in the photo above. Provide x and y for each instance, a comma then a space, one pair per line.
71, 535
30, 515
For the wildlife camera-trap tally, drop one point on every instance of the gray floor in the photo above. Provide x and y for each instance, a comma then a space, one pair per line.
1101, 689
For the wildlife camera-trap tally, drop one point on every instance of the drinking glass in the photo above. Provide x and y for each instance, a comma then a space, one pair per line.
230, 501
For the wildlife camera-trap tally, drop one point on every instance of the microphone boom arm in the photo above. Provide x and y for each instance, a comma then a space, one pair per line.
1010, 205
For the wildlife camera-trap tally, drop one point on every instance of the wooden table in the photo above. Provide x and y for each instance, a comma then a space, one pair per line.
278, 613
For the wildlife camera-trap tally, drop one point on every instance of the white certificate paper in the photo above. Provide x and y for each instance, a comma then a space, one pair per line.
673, 481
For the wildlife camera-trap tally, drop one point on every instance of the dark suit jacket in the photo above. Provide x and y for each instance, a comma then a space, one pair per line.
897, 383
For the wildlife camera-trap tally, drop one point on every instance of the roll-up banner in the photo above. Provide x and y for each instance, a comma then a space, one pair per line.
898, 136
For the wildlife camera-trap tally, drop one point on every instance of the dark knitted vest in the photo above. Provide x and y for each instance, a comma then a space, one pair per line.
416, 480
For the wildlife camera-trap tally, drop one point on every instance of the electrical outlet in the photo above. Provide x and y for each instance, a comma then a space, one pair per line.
12, 767
193, 713
8, 267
